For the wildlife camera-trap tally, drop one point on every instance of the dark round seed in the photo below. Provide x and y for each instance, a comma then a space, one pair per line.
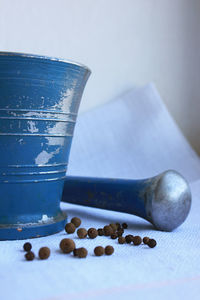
82, 252
27, 246
114, 227
121, 230
118, 226
119, 233
129, 238
75, 252
137, 240
114, 236
92, 233
107, 230
30, 255
121, 240
82, 233
98, 251
100, 231
146, 240
44, 253
67, 245
109, 250
70, 228
124, 225
76, 221
152, 243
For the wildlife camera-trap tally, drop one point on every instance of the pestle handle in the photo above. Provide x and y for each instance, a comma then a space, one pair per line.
163, 200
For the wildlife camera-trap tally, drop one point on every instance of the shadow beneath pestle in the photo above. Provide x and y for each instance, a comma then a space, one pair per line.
107, 218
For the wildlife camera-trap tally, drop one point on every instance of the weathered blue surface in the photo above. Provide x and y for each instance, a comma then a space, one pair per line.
113, 194
163, 200
39, 101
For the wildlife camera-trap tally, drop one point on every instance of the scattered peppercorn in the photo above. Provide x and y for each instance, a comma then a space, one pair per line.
152, 243
67, 245
75, 252
100, 231
118, 226
121, 240
146, 240
107, 230
109, 250
137, 240
82, 233
114, 236
29, 255
99, 251
44, 253
76, 221
27, 246
114, 227
121, 231
124, 225
92, 233
81, 252
70, 228
129, 238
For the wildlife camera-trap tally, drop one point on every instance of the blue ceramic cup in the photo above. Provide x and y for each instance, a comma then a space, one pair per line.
39, 101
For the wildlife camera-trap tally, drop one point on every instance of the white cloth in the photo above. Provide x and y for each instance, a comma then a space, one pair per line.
131, 137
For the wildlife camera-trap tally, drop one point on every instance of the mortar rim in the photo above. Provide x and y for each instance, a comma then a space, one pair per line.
46, 57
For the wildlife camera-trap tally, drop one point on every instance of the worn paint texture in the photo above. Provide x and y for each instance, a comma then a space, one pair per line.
39, 101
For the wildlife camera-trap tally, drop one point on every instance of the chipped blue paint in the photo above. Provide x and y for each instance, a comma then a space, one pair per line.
39, 101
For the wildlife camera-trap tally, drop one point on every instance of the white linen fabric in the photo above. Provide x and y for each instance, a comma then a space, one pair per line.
131, 137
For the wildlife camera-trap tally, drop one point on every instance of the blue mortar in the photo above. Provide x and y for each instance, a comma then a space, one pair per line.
39, 101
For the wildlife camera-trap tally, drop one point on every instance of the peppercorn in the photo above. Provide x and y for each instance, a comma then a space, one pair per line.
99, 251
29, 255
27, 247
114, 236
109, 250
67, 245
129, 238
121, 231
44, 253
152, 243
82, 252
121, 240
137, 240
107, 230
82, 233
70, 228
100, 231
146, 240
114, 227
118, 226
124, 225
75, 252
92, 233
76, 221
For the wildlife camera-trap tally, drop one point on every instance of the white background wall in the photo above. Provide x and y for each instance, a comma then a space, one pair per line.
125, 43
